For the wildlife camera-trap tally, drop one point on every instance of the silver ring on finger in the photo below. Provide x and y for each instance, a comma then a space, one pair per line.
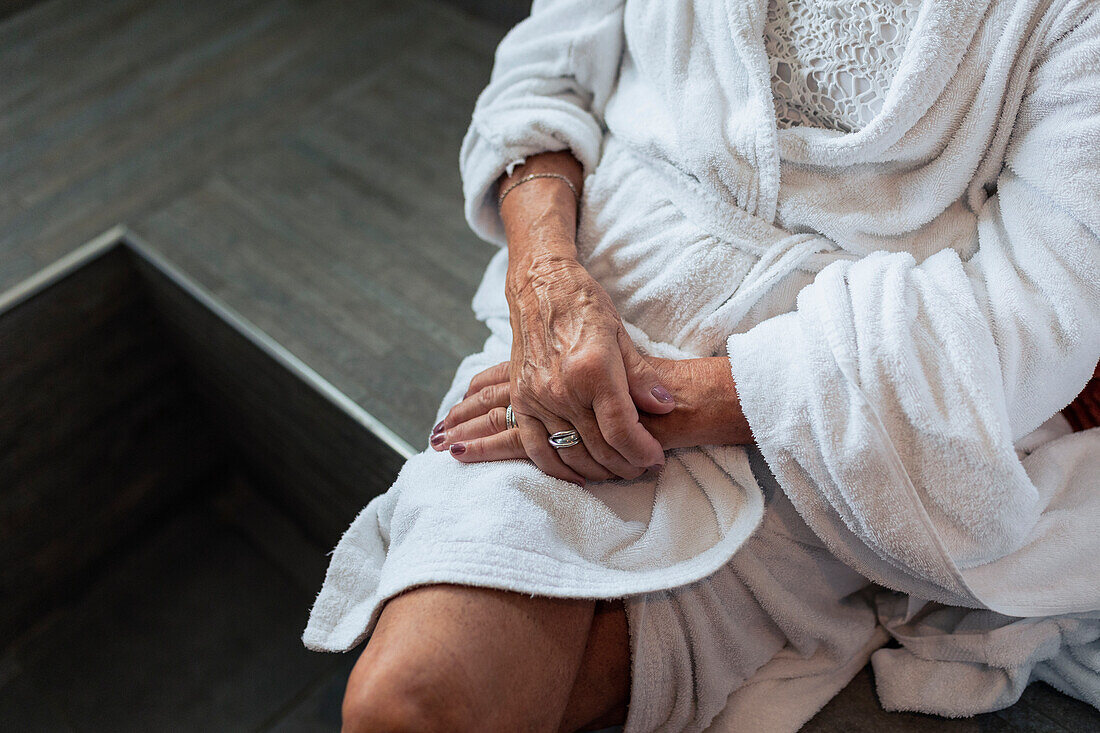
510, 419
565, 439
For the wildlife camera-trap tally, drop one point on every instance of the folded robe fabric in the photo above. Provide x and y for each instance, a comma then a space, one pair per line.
901, 305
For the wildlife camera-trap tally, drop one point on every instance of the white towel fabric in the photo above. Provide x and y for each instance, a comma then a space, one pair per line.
782, 607
903, 307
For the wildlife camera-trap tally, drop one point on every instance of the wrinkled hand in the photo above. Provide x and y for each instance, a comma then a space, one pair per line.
707, 412
574, 367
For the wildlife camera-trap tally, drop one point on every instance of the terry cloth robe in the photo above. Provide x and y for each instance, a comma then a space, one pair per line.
905, 308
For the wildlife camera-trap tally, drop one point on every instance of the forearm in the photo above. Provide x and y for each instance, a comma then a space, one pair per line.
540, 216
716, 407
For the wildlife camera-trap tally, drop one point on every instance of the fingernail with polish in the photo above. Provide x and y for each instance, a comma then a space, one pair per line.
662, 394
438, 428
438, 438
458, 449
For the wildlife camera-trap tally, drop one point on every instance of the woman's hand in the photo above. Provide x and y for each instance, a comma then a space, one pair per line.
707, 412
573, 366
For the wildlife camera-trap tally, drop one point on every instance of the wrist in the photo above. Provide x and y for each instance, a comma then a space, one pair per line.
708, 411
720, 414
540, 215
561, 163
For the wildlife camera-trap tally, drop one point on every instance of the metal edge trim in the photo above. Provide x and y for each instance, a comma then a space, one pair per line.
121, 236
62, 267
267, 344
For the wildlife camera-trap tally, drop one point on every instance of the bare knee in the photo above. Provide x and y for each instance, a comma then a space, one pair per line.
383, 699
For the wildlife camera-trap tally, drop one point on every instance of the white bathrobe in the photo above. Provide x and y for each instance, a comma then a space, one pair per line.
906, 308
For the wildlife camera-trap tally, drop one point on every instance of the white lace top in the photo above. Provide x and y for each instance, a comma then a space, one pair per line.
832, 61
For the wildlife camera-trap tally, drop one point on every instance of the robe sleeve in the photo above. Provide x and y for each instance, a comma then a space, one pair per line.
887, 403
550, 82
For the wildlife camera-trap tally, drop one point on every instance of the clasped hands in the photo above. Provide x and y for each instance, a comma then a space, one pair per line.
573, 366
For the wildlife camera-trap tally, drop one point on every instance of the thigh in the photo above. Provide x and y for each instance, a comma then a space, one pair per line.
601, 690
491, 659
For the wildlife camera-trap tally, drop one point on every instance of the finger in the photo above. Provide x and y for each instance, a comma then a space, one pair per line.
488, 424
577, 457
599, 449
497, 447
476, 405
645, 386
618, 420
537, 447
492, 375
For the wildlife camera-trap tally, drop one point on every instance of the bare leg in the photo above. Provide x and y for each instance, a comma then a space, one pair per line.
457, 658
602, 689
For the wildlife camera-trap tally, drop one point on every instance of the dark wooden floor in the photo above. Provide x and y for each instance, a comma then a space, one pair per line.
299, 159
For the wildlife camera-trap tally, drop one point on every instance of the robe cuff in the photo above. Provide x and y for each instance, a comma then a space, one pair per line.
491, 149
769, 381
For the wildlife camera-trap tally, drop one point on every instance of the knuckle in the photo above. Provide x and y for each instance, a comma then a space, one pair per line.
617, 434
500, 392
588, 364
610, 395
496, 420
524, 393
532, 395
556, 391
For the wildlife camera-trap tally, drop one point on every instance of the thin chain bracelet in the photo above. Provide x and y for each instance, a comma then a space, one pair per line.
533, 176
